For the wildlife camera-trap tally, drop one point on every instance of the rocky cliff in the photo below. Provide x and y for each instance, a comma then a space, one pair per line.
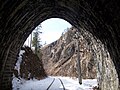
60, 57
31, 65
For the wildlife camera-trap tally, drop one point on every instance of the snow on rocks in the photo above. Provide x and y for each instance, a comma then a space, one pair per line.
17, 66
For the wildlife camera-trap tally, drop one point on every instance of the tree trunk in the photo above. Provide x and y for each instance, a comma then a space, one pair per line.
78, 63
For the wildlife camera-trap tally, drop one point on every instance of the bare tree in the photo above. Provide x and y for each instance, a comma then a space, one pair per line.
78, 58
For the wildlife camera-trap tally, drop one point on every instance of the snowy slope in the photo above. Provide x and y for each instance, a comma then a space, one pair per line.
69, 84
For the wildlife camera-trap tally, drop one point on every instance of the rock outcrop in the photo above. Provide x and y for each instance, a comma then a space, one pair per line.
60, 57
31, 66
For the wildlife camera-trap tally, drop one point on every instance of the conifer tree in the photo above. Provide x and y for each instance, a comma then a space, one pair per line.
36, 39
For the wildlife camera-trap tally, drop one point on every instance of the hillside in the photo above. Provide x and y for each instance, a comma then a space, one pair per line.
29, 65
60, 57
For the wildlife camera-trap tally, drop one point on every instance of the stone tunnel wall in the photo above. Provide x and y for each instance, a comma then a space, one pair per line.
107, 76
19, 18
7, 71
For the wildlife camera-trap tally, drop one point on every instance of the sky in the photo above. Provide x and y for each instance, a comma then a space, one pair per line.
52, 29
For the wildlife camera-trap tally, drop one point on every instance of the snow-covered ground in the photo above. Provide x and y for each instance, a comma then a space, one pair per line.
34, 84
69, 84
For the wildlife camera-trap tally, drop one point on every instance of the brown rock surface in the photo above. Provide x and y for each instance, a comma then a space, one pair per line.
31, 65
60, 57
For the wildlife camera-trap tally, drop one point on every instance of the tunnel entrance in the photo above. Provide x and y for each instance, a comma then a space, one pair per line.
18, 19
96, 62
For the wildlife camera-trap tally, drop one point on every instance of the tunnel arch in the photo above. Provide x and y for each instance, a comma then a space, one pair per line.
19, 18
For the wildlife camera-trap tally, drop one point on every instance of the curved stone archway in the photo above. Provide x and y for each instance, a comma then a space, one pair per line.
19, 18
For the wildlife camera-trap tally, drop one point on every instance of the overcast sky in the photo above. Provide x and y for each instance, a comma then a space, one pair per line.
52, 29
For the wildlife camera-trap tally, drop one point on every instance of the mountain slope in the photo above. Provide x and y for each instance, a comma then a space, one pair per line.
60, 57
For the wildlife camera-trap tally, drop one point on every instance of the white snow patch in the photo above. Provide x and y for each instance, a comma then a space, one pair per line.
17, 66
69, 84
17, 83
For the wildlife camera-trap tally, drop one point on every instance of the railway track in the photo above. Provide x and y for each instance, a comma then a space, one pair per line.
54, 81
62, 83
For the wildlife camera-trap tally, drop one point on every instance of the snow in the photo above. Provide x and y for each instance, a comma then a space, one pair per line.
69, 84
34, 84
17, 66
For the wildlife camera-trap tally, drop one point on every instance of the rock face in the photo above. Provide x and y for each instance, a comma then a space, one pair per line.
60, 57
31, 66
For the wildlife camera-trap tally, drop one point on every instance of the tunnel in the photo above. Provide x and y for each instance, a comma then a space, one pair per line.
18, 18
